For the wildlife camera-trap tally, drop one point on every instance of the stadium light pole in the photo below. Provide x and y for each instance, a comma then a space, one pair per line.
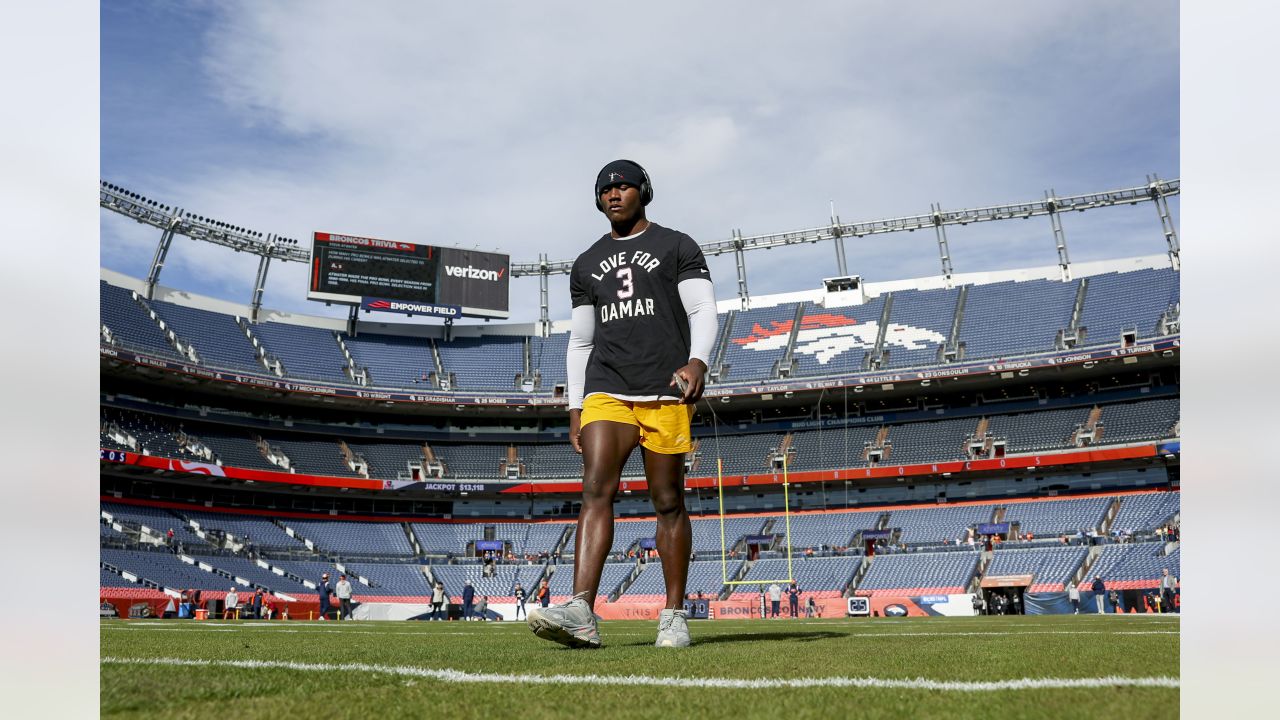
260, 284
944, 252
1059, 237
838, 237
1161, 201
744, 300
544, 317
162, 251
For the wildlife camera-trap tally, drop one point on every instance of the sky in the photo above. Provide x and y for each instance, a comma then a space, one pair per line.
482, 125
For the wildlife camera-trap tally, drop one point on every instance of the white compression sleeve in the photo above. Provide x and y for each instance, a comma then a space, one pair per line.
699, 299
582, 331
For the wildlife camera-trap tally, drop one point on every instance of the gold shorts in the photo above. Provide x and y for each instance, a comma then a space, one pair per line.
664, 424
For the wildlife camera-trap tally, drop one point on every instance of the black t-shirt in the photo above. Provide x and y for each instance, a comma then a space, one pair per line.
642, 328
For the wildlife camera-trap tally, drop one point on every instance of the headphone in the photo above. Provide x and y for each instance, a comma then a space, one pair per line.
646, 187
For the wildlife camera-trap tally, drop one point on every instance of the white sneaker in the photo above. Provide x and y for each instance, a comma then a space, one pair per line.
571, 623
673, 629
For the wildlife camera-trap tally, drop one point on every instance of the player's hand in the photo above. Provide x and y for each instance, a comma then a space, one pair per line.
575, 429
693, 374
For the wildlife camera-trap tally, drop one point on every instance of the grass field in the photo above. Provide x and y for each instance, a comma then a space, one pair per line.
1120, 666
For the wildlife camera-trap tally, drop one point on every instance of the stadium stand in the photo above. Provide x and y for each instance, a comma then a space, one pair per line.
261, 531
471, 461
393, 360
935, 524
1132, 300
354, 539
486, 364
742, 454
915, 441
155, 434
251, 571
217, 337
107, 578
388, 460
1049, 567
546, 356
500, 585
1011, 318
705, 576
817, 576
919, 573
1146, 420
706, 533
825, 530
306, 352
315, 457
235, 448
1145, 512
162, 568
628, 533
930, 441
1037, 431
825, 346
390, 579
757, 342
930, 310
128, 324
561, 583
1053, 517
558, 460
1134, 565
831, 447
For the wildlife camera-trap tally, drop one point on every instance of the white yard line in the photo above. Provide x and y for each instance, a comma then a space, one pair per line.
609, 633
458, 676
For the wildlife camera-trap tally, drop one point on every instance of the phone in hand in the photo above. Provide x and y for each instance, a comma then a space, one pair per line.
681, 384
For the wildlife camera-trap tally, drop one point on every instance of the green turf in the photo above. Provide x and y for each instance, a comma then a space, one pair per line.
961, 649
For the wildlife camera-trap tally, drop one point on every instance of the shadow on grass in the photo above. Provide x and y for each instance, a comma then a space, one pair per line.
757, 637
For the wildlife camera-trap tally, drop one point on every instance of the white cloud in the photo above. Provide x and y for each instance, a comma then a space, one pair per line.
484, 125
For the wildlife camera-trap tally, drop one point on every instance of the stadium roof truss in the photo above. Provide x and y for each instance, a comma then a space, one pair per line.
176, 221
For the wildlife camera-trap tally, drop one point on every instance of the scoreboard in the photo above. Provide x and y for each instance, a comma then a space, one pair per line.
410, 278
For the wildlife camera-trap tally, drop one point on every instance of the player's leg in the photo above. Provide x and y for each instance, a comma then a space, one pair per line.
605, 447
674, 537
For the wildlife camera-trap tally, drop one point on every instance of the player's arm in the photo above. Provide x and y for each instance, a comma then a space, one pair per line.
582, 330
699, 300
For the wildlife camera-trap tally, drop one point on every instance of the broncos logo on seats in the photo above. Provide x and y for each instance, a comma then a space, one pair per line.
825, 336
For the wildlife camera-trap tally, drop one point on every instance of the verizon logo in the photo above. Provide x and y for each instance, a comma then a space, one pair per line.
473, 273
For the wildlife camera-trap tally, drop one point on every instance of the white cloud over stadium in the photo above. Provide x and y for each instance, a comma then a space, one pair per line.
448, 125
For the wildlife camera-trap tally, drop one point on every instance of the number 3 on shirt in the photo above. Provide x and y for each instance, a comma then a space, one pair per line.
628, 289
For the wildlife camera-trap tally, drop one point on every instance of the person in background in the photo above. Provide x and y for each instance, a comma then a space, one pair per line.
810, 607
775, 600
1073, 594
230, 604
1099, 594
544, 594
1168, 584
343, 592
793, 600
437, 600
468, 598
257, 604
324, 591
520, 597
482, 608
